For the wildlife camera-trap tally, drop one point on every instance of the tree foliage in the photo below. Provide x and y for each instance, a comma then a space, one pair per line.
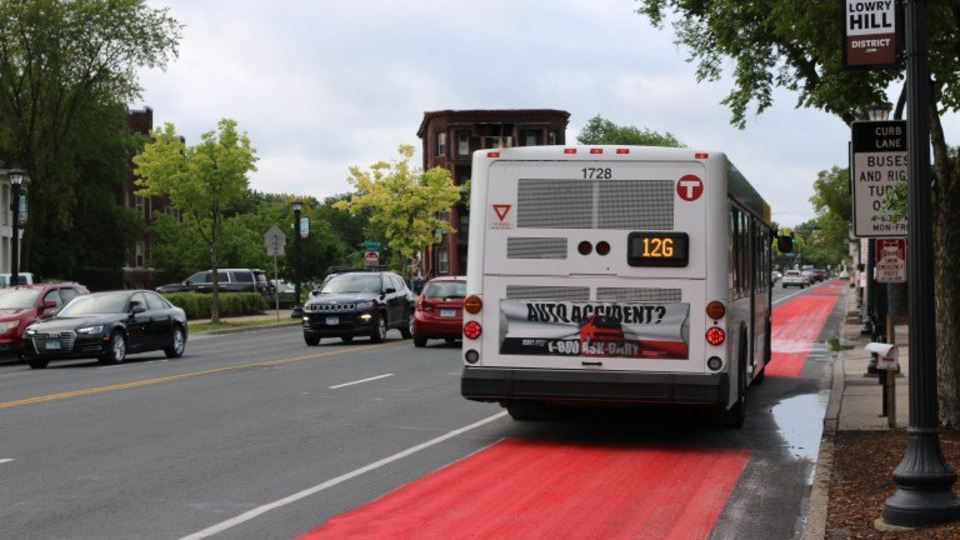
402, 202
599, 130
201, 181
67, 69
795, 45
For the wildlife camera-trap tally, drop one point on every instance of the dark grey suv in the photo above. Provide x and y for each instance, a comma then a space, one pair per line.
358, 304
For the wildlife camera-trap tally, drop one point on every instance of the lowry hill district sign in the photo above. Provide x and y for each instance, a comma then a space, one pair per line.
869, 33
879, 162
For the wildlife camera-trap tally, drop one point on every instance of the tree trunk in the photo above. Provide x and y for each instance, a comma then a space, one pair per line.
947, 268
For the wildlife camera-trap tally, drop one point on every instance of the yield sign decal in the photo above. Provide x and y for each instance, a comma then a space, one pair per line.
501, 210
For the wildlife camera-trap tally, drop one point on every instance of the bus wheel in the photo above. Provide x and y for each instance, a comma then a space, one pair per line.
524, 411
737, 414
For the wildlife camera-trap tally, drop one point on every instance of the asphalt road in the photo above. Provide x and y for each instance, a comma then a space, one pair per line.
258, 436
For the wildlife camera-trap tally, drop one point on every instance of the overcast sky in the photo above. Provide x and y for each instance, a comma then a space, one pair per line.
321, 85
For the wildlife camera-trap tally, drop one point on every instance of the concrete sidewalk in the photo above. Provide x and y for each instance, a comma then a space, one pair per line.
267, 319
855, 404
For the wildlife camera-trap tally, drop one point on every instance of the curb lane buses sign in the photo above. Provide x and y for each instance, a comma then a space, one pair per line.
879, 162
869, 34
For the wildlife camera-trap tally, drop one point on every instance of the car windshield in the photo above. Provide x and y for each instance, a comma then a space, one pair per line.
446, 289
352, 283
86, 305
19, 299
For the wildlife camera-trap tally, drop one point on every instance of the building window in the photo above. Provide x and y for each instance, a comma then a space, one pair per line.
140, 254
443, 262
530, 138
463, 143
141, 205
441, 144
553, 137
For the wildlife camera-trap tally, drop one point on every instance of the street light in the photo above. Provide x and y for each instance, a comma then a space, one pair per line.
878, 112
297, 309
16, 181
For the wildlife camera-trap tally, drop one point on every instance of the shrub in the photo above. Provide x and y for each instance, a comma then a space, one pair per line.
199, 305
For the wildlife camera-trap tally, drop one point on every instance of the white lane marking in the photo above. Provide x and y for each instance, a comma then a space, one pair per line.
250, 514
2, 461
361, 381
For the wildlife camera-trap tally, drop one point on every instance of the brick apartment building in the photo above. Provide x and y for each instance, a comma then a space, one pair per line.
449, 139
137, 272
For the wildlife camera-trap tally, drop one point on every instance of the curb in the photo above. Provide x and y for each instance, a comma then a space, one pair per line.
815, 527
227, 331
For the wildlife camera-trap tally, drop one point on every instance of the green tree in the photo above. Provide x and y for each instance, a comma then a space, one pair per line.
599, 130
403, 202
201, 180
794, 45
66, 70
834, 207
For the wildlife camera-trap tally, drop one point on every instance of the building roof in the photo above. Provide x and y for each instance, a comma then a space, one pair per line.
490, 115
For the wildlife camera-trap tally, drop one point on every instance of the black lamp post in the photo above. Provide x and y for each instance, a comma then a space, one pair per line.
297, 308
924, 479
16, 181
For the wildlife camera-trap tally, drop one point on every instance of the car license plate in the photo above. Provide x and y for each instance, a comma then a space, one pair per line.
52, 346
333, 321
448, 313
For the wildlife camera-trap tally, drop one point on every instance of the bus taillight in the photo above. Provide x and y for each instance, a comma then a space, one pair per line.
622, 151
585, 248
472, 330
569, 150
596, 150
716, 336
716, 310
473, 304
603, 248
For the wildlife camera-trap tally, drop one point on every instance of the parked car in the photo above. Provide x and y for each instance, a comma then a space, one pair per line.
354, 304
228, 280
22, 305
24, 278
775, 276
283, 293
439, 313
107, 326
794, 278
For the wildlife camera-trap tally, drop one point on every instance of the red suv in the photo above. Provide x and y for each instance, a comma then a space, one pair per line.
439, 313
24, 304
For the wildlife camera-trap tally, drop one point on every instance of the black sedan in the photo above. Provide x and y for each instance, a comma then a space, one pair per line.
107, 326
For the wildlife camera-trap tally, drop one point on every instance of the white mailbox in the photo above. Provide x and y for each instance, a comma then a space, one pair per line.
889, 355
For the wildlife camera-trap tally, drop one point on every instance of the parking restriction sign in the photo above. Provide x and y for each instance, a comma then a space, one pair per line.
891, 260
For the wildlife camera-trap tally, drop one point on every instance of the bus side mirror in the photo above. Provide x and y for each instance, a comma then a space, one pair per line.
785, 244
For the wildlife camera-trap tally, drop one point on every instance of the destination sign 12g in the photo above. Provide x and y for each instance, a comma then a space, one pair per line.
661, 249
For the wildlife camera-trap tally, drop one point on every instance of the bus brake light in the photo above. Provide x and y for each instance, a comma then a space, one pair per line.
701, 155
716, 336
623, 150
716, 310
472, 330
596, 150
569, 150
493, 154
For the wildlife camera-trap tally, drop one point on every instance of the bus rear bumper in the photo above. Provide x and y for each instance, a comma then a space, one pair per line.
501, 384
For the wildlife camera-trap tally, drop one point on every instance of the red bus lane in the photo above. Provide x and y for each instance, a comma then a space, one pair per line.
543, 489
797, 325
529, 489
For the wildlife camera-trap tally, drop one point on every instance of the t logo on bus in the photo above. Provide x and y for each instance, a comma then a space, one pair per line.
689, 187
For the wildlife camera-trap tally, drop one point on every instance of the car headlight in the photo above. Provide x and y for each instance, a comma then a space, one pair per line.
4, 326
367, 304
29, 331
90, 330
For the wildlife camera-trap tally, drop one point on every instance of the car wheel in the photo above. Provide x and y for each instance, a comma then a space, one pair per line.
177, 344
346, 339
407, 330
36, 363
311, 340
118, 349
379, 333
419, 342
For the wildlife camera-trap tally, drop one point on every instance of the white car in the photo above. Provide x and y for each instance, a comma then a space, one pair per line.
793, 278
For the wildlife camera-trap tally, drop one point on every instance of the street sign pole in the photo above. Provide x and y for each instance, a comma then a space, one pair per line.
924, 479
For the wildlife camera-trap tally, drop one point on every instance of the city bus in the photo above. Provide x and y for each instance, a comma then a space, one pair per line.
615, 275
